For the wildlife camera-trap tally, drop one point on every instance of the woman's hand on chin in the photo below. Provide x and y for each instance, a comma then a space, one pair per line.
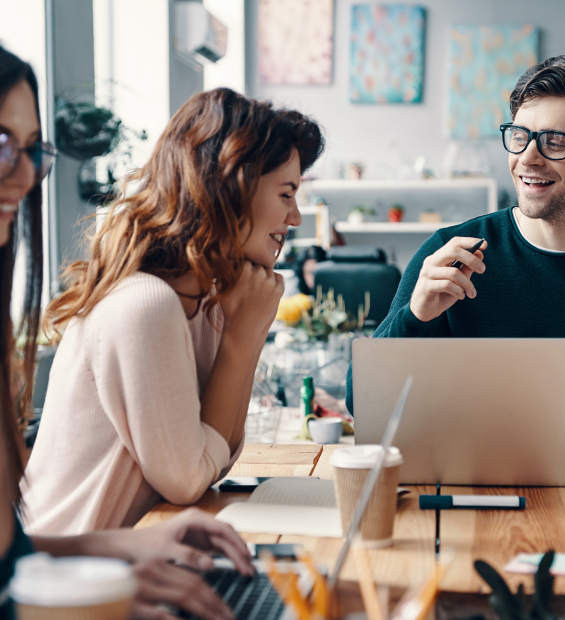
252, 305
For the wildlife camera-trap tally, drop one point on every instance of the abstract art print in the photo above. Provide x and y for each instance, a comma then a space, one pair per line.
295, 42
485, 63
387, 53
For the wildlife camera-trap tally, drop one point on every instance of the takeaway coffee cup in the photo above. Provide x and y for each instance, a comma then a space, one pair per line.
351, 466
81, 588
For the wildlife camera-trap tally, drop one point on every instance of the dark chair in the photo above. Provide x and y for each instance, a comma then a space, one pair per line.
353, 269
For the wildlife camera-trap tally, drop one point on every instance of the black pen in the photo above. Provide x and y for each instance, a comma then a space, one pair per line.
458, 264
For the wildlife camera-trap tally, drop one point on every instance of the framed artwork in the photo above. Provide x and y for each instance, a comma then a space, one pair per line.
387, 53
485, 63
295, 42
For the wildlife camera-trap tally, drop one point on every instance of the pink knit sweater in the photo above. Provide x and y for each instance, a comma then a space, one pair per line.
121, 425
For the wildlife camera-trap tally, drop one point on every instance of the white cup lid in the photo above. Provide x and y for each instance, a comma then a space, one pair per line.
364, 457
45, 581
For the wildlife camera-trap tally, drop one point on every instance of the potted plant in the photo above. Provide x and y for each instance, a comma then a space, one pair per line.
360, 213
395, 213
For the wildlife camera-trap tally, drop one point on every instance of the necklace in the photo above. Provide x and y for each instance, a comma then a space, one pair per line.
191, 297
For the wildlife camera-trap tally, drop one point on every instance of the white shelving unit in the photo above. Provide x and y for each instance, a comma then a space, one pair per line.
390, 227
401, 240
325, 187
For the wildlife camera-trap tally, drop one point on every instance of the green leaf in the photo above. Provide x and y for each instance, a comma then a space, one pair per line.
542, 598
506, 605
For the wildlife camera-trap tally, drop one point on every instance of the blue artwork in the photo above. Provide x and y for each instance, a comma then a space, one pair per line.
485, 64
387, 53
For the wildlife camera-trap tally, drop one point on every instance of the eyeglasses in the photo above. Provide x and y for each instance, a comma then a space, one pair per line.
41, 154
551, 144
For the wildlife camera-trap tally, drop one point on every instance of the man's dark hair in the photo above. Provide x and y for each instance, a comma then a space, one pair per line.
543, 80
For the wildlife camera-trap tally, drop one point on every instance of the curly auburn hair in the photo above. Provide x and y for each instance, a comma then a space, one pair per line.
184, 210
544, 80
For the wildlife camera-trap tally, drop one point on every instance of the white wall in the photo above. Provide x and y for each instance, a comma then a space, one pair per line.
363, 131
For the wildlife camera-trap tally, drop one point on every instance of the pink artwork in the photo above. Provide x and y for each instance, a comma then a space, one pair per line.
295, 42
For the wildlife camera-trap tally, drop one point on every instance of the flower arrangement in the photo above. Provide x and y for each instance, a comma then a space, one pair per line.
323, 316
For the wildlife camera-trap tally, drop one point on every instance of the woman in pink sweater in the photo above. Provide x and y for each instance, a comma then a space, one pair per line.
165, 323
160, 553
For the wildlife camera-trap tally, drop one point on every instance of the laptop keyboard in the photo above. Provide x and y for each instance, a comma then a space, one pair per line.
251, 598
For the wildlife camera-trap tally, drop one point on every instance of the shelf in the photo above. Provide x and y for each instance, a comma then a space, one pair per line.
376, 184
389, 227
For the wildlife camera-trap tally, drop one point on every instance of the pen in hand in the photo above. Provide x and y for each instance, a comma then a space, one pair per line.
458, 264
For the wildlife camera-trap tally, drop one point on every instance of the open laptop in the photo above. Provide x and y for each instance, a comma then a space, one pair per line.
481, 411
254, 598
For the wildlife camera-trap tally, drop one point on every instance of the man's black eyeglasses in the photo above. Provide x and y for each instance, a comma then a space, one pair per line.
40, 153
551, 144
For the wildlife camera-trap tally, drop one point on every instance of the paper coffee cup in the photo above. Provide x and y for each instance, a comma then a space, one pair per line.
351, 466
80, 588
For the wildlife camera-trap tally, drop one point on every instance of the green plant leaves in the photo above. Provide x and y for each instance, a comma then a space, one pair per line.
513, 607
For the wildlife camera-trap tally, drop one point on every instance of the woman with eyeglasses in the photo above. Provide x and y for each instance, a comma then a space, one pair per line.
186, 539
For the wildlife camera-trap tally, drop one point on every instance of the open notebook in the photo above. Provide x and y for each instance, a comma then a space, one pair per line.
300, 506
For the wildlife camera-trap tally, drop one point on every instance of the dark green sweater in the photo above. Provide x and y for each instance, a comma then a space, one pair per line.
521, 294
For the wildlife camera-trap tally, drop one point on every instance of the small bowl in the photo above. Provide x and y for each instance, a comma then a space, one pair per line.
326, 430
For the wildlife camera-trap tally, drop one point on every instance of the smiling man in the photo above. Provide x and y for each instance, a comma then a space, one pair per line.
514, 285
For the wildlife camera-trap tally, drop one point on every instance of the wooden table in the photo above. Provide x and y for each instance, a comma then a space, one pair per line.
495, 536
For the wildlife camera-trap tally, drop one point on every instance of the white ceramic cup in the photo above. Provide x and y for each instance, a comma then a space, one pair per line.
325, 430
351, 467
79, 588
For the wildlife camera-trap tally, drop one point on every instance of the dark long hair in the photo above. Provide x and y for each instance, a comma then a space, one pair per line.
13, 71
191, 199
543, 80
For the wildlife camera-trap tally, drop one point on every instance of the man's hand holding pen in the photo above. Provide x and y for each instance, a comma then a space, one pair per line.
445, 277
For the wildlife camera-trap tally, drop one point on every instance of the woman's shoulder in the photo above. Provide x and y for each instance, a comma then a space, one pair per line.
141, 296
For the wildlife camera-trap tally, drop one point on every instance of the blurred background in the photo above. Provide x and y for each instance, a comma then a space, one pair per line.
410, 98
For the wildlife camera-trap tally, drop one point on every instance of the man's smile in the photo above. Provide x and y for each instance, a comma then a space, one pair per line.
535, 184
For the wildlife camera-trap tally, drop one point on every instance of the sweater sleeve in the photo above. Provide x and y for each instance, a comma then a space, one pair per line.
400, 321
146, 375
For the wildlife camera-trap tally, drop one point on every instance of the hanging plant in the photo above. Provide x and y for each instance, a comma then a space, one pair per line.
84, 130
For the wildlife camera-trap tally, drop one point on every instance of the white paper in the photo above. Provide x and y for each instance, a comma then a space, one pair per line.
296, 492
527, 563
279, 519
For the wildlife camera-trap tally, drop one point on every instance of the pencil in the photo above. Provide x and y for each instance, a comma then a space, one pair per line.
458, 264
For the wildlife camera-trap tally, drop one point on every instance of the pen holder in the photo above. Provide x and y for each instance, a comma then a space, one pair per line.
351, 466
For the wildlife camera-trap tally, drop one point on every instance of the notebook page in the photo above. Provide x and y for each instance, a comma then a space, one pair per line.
295, 492
280, 519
